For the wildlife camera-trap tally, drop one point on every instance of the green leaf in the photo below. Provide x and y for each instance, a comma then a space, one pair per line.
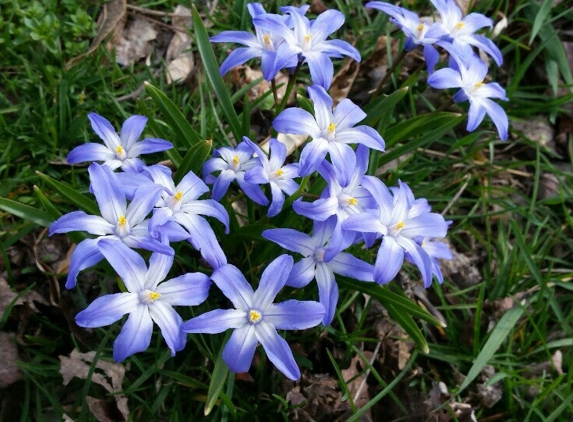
540, 17
185, 135
215, 79
382, 108
497, 336
81, 201
194, 159
26, 212
389, 298
410, 326
218, 378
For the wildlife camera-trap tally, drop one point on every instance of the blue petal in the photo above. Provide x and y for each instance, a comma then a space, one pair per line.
189, 289
445, 78
318, 210
103, 128
127, 263
80, 221
238, 57
215, 321
240, 349
272, 281
241, 37
169, 323
348, 265
420, 258
159, 266
326, 23
222, 184
364, 135
208, 207
277, 349
148, 146
321, 69
296, 121
322, 106
476, 113
388, 261
338, 48
203, 239
144, 199
291, 240
347, 114
131, 130
425, 225
233, 284
89, 152
135, 335
327, 291
253, 191
84, 256
497, 114
108, 192
105, 310
312, 156
294, 314
302, 273
278, 200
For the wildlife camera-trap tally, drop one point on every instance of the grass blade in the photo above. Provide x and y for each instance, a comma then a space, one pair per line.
82, 201
26, 212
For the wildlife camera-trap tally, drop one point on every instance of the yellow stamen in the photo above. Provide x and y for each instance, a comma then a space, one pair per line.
119, 149
400, 225
236, 159
307, 37
254, 316
267, 39
332, 127
178, 195
460, 25
279, 172
352, 201
421, 27
479, 84
153, 296
122, 221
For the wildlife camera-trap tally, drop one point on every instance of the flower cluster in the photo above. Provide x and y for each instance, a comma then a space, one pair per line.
466, 70
142, 207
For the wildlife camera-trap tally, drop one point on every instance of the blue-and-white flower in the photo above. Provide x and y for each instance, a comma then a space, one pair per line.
118, 151
272, 171
400, 220
118, 221
147, 300
256, 318
315, 266
331, 130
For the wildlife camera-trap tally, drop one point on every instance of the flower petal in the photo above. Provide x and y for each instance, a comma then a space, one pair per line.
189, 289
89, 152
240, 349
277, 349
349, 266
327, 291
148, 146
388, 261
291, 240
215, 321
135, 335
80, 221
105, 310
272, 281
233, 284
296, 121
108, 192
127, 263
131, 130
84, 256
103, 128
169, 322
302, 273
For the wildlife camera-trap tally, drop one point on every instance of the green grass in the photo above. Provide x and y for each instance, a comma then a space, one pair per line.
507, 306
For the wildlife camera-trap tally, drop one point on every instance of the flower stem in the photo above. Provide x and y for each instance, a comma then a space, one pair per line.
289, 88
389, 73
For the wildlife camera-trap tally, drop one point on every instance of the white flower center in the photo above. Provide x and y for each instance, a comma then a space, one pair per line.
122, 227
120, 153
254, 316
148, 296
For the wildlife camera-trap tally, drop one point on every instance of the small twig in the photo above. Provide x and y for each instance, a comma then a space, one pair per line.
363, 382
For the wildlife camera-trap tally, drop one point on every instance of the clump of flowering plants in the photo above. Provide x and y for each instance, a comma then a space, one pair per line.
243, 229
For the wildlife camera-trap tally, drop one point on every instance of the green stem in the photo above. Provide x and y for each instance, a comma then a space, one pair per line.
389, 73
289, 88
275, 94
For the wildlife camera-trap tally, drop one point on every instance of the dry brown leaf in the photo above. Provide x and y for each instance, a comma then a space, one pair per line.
355, 379
343, 80
28, 299
134, 43
78, 365
9, 370
111, 19
179, 56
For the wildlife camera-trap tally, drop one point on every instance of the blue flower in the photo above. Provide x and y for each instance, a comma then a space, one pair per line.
400, 220
119, 221
179, 204
462, 30
274, 52
341, 200
436, 250
273, 172
315, 266
256, 318
233, 164
468, 73
417, 31
146, 300
309, 39
331, 130
118, 151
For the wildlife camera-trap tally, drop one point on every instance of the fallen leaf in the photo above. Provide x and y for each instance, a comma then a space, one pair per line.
355, 378
133, 45
9, 370
78, 366
111, 19
179, 56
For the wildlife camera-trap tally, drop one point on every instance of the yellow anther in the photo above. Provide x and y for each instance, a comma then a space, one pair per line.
332, 127
122, 221
178, 195
460, 25
307, 37
267, 39
119, 149
421, 27
352, 201
279, 172
479, 84
400, 225
153, 296
254, 316
236, 159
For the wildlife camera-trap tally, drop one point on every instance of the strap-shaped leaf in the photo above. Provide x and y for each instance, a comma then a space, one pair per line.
81, 201
380, 110
215, 79
389, 298
409, 325
26, 212
218, 378
194, 159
